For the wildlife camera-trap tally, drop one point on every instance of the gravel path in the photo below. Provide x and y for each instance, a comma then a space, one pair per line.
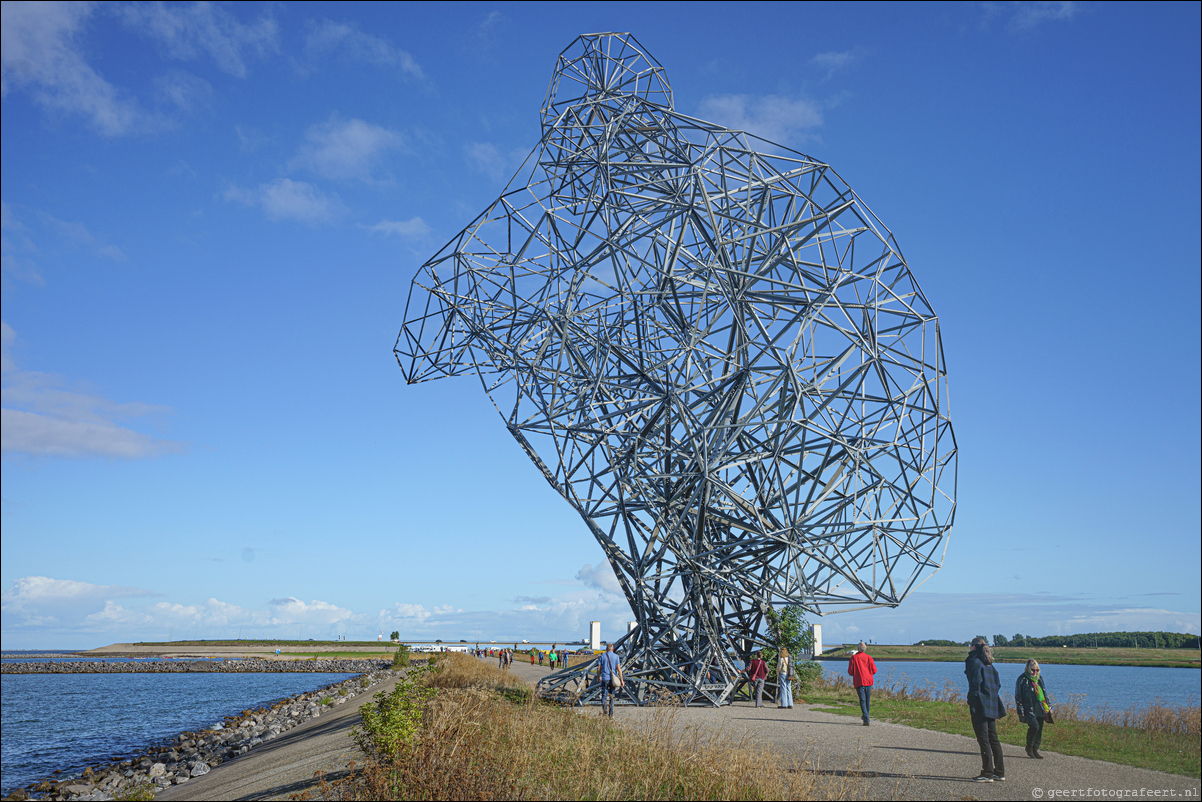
899, 762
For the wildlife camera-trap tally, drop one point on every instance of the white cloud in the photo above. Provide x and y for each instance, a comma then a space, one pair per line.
488, 159
42, 418
772, 117
54, 611
187, 32
183, 90
566, 618
832, 62
17, 246
39, 601
285, 199
41, 435
290, 610
414, 228
62, 610
39, 53
1026, 16
331, 37
344, 150
601, 577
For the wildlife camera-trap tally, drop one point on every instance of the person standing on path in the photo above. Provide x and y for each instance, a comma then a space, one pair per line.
609, 672
757, 672
1031, 700
862, 668
985, 706
784, 676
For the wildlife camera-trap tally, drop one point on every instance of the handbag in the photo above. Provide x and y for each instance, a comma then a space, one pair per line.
1047, 717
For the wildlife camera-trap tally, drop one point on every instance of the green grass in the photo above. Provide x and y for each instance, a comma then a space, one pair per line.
1169, 658
1173, 752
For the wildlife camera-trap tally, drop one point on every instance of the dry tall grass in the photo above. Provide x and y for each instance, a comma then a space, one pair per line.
485, 736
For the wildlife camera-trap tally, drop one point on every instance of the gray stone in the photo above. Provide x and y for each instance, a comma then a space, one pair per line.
199, 769
75, 789
158, 770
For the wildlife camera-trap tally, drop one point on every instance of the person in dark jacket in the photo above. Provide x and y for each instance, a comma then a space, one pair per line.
757, 672
985, 706
1031, 700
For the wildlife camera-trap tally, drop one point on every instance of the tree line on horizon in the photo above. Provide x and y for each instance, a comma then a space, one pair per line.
1128, 640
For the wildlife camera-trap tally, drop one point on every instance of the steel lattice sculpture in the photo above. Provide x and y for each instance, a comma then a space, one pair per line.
716, 355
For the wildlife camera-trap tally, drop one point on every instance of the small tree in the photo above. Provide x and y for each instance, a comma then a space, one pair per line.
790, 629
1000, 640
395, 636
401, 658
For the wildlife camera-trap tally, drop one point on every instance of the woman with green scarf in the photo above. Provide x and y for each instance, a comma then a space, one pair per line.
1031, 699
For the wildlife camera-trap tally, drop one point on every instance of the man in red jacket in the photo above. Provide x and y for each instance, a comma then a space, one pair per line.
862, 667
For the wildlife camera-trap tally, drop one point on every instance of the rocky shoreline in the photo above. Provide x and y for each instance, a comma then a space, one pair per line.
249, 665
191, 754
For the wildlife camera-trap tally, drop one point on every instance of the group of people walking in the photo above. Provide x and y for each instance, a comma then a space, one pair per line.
985, 705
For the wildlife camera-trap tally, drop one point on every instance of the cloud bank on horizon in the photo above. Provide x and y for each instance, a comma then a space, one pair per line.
41, 612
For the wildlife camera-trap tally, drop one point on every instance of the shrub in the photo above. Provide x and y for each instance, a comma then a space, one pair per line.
392, 721
805, 674
137, 792
401, 658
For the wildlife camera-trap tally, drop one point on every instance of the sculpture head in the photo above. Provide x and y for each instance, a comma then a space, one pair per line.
718, 356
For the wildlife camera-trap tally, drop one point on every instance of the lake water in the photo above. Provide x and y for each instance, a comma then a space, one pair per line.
1117, 687
68, 721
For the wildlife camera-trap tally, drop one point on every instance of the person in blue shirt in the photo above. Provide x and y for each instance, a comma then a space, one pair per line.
610, 675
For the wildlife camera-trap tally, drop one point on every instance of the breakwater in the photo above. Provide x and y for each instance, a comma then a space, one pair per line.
175, 760
332, 666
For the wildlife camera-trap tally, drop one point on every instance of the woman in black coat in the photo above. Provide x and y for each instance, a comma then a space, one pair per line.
1031, 699
985, 706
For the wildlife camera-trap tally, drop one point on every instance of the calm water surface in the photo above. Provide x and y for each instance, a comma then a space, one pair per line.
68, 721
1117, 687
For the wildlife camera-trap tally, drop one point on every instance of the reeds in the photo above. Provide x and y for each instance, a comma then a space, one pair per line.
1156, 717
484, 735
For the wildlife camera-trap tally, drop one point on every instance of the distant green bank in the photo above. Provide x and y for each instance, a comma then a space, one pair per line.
1064, 655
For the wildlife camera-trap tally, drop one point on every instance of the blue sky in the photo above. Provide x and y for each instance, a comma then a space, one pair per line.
211, 215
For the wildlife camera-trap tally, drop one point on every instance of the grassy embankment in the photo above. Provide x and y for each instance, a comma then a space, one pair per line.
1154, 737
465, 730
1170, 658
